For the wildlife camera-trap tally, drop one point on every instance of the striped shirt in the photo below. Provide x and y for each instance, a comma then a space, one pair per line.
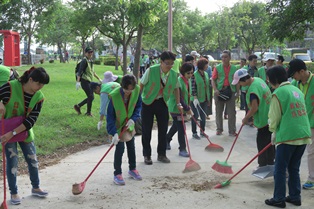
5, 93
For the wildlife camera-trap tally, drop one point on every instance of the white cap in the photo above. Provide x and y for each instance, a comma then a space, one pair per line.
269, 56
238, 75
194, 53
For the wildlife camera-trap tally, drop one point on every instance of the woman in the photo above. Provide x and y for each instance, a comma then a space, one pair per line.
123, 110
291, 133
16, 97
186, 72
201, 99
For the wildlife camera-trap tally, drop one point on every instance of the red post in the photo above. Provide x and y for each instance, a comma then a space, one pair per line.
11, 53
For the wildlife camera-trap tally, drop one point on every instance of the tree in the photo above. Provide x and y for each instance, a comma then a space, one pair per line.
290, 18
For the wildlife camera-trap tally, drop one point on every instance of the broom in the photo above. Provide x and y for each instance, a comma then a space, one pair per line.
226, 183
224, 167
191, 165
4, 203
211, 147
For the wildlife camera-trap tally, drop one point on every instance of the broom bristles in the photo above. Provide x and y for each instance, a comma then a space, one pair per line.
213, 148
222, 167
191, 166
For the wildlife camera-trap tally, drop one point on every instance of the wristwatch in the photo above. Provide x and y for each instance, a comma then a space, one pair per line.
14, 132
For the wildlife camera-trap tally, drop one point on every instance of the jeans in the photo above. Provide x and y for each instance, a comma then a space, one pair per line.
288, 157
177, 126
263, 138
29, 152
202, 116
89, 93
119, 153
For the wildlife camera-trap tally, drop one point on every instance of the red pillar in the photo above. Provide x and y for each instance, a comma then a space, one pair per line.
11, 55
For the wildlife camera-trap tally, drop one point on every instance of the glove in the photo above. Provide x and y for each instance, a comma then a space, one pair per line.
78, 85
129, 124
115, 139
99, 125
196, 102
273, 139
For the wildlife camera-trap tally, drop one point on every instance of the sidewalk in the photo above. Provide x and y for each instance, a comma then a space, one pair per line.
163, 185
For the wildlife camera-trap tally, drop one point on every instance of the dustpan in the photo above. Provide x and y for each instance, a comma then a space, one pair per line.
264, 172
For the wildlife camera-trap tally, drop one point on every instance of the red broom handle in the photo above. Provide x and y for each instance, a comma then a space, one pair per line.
234, 142
201, 129
3, 161
258, 154
186, 138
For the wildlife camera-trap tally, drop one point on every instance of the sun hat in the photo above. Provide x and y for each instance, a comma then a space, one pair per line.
295, 65
238, 75
109, 77
194, 53
269, 56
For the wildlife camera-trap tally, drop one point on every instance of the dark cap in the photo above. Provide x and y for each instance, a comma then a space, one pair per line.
88, 49
93, 85
295, 66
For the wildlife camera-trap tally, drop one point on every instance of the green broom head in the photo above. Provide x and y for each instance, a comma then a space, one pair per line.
223, 184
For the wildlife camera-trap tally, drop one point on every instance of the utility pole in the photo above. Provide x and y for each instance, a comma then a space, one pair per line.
170, 25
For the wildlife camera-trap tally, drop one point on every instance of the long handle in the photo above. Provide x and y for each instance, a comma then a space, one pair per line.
258, 154
202, 110
186, 138
201, 129
3, 162
234, 142
112, 145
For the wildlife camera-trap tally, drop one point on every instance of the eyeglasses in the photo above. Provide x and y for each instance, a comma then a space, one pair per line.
168, 64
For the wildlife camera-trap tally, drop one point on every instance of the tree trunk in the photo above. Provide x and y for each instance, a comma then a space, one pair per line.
138, 51
125, 61
117, 63
60, 53
29, 56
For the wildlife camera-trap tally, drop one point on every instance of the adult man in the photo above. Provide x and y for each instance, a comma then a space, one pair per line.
280, 61
157, 84
84, 77
269, 61
258, 98
242, 96
303, 79
225, 93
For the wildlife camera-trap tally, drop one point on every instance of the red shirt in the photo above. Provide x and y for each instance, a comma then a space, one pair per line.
226, 70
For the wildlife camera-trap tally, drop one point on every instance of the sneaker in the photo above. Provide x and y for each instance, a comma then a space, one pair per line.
77, 109
218, 133
89, 114
148, 160
135, 175
308, 185
15, 199
195, 136
272, 202
233, 134
203, 135
163, 159
294, 202
118, 179
184, 153
168, 146
39, 193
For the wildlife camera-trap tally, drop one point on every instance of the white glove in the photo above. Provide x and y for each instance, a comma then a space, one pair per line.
196, 102
99, 125
115, 139
78, 85
273, 139
129, 123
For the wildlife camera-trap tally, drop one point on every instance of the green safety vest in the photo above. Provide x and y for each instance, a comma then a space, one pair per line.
123, 112
4, 74
152, 88
89, 72
262, 73
16, 106
108, 87
119, 79
294, 122
185, 91
221, 76
309, 99
261, 90
202, 87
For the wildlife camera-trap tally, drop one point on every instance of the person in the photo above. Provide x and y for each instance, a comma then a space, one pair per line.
84, 77
221, 82
269, 61
186, 72
157, 84
258, 98
16, 97
132, 57
291, 133
110, 77
7, 74
142, 65
66, 56
123, 110
280, 60
200, 101
303, 79
209, 109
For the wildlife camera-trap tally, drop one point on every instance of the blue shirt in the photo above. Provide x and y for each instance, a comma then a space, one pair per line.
111, 114
209, 71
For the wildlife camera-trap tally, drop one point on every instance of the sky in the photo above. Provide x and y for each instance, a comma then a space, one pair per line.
209, 6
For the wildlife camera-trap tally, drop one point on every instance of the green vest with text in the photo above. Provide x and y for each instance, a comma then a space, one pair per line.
153, 86
16, 106
108, 87
172, 103
261, 90
294, 122
4, 74
202, 87
221, 76
309, 100
124, 112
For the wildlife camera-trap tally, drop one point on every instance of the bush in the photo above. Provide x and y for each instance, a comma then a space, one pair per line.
111, 61
51, 61
97, 62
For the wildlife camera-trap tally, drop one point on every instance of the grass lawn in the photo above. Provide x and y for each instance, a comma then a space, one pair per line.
58, 125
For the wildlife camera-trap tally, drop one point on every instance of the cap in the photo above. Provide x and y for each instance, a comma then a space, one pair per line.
194, 53
109, 77
238, 75
269, 56
88, 49
93, 85
295, 65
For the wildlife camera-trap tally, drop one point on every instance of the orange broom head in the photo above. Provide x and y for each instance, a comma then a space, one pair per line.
214, 148
222, 167
78, 188
191, 166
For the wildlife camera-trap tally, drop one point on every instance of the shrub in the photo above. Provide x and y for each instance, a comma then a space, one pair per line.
97, 62
111, 61
51, 61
